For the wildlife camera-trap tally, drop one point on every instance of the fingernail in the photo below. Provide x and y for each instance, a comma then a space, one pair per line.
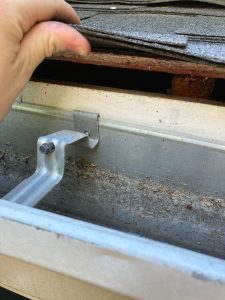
81, 52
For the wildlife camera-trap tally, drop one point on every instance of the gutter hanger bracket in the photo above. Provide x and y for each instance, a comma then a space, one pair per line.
51, 159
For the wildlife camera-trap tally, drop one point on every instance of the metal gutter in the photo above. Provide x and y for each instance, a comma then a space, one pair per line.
114, 260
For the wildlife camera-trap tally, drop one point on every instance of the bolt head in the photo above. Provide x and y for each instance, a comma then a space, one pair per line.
47, 148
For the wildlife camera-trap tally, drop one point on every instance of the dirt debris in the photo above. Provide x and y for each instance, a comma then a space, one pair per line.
146, 206
189, 206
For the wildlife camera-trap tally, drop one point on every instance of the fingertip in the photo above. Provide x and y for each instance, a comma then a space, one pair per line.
68, 38
75, 19
82, 52
76, 42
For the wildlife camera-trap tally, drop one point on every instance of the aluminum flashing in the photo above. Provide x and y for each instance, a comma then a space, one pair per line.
188, 32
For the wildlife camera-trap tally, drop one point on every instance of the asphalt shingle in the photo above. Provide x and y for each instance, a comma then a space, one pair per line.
185, 30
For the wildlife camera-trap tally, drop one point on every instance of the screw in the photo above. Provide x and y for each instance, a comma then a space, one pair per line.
47, 148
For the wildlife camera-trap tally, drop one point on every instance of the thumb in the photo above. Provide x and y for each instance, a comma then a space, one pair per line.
45, 39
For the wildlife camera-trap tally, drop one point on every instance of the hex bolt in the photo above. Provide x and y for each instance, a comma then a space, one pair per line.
47, 148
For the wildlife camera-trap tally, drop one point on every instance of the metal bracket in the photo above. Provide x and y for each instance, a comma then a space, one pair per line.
51, 159
86, 122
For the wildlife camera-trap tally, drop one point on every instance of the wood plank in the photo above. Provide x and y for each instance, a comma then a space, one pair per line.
145, 63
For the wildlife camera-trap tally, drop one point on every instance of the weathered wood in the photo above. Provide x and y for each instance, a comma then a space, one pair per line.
145, 63
193, 87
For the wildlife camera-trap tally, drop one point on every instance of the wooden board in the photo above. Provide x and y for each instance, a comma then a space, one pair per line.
151, 64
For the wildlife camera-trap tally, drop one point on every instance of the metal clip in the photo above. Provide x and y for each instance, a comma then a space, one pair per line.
88, 123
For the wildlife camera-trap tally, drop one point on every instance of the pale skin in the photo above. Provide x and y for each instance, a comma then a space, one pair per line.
30, 31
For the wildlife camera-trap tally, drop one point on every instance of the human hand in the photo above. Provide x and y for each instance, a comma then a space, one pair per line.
27, 36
